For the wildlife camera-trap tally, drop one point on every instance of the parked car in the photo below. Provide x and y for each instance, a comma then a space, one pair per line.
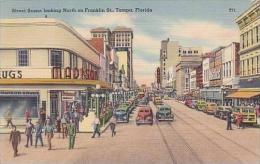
194, 104
249, 114
201, 105
166, 97
122, 115
164, 113
211, 108
222, 112
187, 102
144, 116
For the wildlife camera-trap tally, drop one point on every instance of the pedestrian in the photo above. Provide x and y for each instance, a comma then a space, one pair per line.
76, 119
64, 127
96, 124
42, 116
239, 120
229, 121
72, 134
28, 132
113, 125
27, 115
38, 133
8, 117
15, 139
58, 125
49, 132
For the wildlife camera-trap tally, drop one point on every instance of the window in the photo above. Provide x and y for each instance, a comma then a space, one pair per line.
189, 52
258, 33
73, 60
184, 52
224, 70
258, 64
23, 58
229, 68
56, 58
195, 52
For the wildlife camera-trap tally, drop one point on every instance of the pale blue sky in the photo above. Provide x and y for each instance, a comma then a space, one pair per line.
206, 23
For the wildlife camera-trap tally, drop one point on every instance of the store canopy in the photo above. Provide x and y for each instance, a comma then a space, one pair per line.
241, 94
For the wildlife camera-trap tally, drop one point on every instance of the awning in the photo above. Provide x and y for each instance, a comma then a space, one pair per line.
71, 82
240, 94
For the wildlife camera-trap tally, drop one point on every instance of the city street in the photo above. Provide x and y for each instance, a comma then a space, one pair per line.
192, 138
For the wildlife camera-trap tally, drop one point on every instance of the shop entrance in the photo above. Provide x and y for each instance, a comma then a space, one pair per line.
54, 104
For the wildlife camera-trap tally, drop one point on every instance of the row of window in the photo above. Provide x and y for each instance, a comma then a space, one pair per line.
189, 52
122, 44
55, 58
250, 66
99, 35
206, 75
123, 35
227, 69
250, 37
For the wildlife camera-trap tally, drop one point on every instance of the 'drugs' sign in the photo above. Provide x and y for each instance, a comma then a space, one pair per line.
74, 73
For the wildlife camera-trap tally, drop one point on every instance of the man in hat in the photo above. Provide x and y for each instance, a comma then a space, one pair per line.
49, 132
38, 133
72, 134
15, 139
28, 132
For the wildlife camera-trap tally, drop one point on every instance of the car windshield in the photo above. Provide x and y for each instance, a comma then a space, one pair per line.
250, 110
147, 111
212, 104
120, 110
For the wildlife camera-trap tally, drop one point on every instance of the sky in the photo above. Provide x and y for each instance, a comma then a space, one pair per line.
205, 23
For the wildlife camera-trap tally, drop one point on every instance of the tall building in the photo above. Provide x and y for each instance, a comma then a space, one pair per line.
169, 58
183, 69
121, 40
249, 26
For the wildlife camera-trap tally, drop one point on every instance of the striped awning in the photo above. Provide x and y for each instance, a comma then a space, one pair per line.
241, 94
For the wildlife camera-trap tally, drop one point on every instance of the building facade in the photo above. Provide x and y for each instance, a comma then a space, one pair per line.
184, 67
45, 72
230, 66
121, 40
249, 26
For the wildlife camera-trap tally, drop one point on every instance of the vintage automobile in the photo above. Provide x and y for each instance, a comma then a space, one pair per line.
144, 116
125, 105
121, 115
249, 114
142, 103
222, 112
201, 105
193, 104
141, 95
210, 108
158, 101
166, 97
164, 113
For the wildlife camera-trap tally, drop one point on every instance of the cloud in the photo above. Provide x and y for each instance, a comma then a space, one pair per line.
146, 43
211, 33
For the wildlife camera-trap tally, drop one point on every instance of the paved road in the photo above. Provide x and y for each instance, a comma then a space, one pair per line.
193, 138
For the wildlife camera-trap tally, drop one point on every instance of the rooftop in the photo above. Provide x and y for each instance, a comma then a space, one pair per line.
98, 44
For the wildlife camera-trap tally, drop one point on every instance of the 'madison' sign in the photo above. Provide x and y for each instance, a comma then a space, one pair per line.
74, 73
11, 74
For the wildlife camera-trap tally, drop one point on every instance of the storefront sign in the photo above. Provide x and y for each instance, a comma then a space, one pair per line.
68, 98
11, 74
75, 73
215, 74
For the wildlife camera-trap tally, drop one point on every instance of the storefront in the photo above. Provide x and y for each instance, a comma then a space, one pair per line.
50, 74
246, 97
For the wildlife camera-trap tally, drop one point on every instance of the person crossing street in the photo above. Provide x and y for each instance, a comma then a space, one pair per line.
113, 125
15, 139
229, 121
72, 134
28, 132
49, 132
96, 125
38, 133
